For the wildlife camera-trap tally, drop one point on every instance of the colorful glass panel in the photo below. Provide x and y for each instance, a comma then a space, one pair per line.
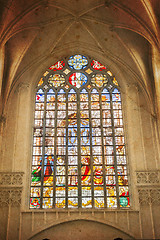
72, 150
40, 82
56, 80
86, 202
66, 71
57, 66
89, 71
40, 96
99, 80
79, 156
97, 65
99, 202
77, 62
112, 202
115, 81
85, 140
77, 79
34, 202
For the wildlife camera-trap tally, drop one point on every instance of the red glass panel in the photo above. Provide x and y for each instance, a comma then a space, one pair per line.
57, 66
97, 65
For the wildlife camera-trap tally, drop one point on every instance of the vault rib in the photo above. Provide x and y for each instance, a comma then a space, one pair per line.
61, 36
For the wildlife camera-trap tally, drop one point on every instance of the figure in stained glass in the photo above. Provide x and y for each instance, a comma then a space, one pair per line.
36, 173
98, 178
35, 203
48, 169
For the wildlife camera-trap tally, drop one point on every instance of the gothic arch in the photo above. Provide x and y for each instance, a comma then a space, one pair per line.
112, 230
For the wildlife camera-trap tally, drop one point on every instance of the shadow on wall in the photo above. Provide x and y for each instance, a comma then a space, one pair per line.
114, 239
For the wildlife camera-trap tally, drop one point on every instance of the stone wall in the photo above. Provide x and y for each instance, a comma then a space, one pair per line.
141, 221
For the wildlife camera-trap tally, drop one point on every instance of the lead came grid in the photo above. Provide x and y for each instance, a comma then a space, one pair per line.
79, 157
47, 183
72, 150
85, 150
60, 191
97, 150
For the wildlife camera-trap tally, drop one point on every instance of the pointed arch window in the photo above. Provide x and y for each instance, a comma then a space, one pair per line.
79, 158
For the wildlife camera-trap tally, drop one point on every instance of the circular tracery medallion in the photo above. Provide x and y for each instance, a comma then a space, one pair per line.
56, 80
77, 79
77, 62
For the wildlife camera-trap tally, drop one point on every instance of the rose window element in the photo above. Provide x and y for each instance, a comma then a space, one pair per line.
77, 79
56, 80
77, 62
99, 80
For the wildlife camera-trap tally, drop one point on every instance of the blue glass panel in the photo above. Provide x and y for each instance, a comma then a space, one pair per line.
84, 91
94, 91
50, 91
40, 96
116, 91
61, 91
72, 91
77, 62
77, 79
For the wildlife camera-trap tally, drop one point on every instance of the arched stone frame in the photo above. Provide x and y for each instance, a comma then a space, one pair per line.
22, 96
112, 231
125, 78
32, 84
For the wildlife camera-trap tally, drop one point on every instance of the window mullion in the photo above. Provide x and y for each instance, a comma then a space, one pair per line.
79, 152
103, 159
114, 151
66, 157
91, 150
55, 157
43, 147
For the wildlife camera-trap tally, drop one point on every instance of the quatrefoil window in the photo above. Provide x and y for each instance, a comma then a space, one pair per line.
77, 62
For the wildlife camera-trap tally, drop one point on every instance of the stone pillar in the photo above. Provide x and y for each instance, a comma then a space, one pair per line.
2, 55
156, 72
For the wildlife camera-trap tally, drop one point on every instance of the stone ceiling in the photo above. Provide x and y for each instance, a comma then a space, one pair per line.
119, 32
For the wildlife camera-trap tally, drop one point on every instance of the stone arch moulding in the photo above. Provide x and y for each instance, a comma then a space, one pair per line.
35, 234
40, 64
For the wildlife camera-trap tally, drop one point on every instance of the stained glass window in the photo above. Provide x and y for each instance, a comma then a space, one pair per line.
79, 156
